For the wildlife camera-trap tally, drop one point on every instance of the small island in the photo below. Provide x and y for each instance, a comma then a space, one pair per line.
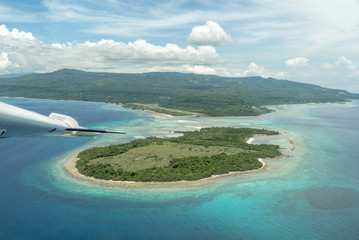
193, 156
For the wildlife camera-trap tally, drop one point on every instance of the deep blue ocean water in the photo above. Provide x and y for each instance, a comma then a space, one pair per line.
311, 194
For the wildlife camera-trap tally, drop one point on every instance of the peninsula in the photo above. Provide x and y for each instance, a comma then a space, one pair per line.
193, 156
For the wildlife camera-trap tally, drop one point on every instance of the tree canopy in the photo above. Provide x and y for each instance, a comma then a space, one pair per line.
206, 94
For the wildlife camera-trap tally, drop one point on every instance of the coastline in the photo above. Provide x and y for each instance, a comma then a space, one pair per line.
69, 167
250, 140
164, 114
71, 170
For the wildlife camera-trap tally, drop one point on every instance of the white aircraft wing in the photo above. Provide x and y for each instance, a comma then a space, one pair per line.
15, 121
2, 131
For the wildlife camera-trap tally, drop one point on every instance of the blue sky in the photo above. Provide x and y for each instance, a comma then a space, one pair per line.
311, 41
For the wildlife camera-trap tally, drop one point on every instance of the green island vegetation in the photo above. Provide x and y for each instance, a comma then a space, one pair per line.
193, 156
171, 93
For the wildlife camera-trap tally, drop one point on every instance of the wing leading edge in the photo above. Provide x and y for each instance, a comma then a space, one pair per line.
15, 121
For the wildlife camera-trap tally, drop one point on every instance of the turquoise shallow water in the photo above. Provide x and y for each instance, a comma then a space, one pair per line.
311, 194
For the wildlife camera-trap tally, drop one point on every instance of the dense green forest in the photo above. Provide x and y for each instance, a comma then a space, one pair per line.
193, 156
205, 94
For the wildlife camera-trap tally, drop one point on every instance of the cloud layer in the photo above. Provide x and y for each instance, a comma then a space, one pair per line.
22, 52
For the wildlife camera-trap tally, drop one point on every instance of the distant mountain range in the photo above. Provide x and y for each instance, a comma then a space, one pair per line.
204, 94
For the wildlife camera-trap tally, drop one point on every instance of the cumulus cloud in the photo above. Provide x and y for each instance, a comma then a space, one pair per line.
282, 75
209, 34
254, 70
4, 60
15, 33
297, 62
345, 63
32, 55
198, 69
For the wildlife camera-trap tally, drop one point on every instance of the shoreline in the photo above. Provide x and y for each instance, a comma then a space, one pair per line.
71, 170
165, 115
250, 140
69, 167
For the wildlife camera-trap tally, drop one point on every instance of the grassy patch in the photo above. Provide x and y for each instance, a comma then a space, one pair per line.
160, 154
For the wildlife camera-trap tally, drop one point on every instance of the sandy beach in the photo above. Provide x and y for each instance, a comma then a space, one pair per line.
70, 168
250, 140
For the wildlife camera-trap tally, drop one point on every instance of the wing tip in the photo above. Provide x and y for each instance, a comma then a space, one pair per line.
94, 130
2, 131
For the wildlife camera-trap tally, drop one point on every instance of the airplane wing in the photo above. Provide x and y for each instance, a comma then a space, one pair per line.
2, 131
15, 121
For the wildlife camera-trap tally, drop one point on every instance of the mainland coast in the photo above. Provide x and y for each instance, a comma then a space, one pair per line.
71, 170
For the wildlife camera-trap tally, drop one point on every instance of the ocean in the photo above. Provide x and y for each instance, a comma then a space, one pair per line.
312, 193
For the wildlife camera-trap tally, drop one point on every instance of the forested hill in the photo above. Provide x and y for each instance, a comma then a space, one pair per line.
206, 94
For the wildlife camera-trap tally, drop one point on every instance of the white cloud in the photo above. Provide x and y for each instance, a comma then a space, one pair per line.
345, 63
32, 55
198, 69
297, 62
6, 66
209, 34
254, 70
4, 60
282, 75
15, 33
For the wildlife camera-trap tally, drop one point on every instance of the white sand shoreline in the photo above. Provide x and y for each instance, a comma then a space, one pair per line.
250, 140
71, 170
